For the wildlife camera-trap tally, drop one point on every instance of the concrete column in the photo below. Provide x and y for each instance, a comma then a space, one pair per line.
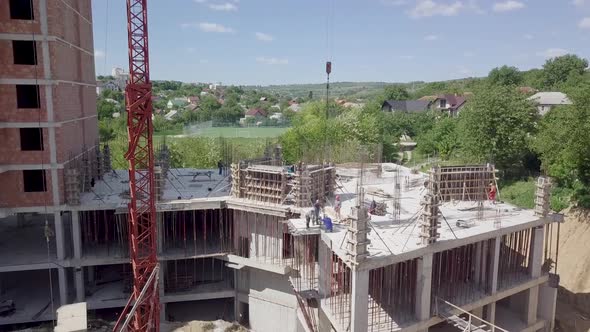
546, 306
478, 313
236, 300
63, 286
323, 279
160, 234
490, 309
90, 274
76, 235
536, 259
423, 287
163, 316
79, 278
59, 236
359, 309
532, 303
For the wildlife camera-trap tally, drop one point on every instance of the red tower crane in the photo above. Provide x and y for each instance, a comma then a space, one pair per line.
142, 312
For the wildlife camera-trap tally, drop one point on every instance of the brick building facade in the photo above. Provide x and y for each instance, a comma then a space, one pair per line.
47, 98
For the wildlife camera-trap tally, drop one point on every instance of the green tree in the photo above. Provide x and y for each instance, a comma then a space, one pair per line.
442, 139
563, 143
495, 126
505, 76
557, 70
394, 92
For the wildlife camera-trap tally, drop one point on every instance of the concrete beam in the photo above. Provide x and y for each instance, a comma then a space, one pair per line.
359, 307
480, 303
377, 262
197, 297
282, 270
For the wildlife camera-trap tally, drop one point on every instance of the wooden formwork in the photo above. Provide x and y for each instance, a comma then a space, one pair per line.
259, 183
469, 182
313, 182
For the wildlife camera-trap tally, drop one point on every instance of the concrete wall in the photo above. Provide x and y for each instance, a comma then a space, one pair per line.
271, 301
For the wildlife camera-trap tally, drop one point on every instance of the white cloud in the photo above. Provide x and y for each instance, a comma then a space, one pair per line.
552, 52
431, 37
272, 61
226, 7
200, 1
508, 6
209, 27
428, 8
264, 37
578, 2
528, 36
407, 57
99, 54
584, 23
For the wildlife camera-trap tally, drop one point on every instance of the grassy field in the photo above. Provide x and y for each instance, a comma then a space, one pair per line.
230, 132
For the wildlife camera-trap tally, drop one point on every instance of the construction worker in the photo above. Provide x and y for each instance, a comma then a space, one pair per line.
373, 207
308, 216
220, 166
492, 193
337, 207
328, 223
316, 208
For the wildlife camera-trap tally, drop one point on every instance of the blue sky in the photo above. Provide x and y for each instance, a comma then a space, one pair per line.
286, 41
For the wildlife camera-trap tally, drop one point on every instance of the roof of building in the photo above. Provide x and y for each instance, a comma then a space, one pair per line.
454, 100
429, 98
550, 98
408, 105
256, 111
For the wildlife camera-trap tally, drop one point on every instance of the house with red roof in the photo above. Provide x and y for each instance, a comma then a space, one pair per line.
256, 113
450, 104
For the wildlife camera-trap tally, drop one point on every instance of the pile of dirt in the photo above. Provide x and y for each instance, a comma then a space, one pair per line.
573, 267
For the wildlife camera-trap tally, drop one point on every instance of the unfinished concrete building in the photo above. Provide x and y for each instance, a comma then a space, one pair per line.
437, 256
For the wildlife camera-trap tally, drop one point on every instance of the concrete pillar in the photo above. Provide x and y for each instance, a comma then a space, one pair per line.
163, 316
236, 300
63, 286
90, 270
532, 303
423, 287
59, 236
546, 306
490, 309
478, 312
359, 308
324, 265
79, 279
324, 323
536, 259
160, 234
76, 235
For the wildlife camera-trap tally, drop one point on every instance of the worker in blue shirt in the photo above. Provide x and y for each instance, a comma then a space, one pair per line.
328, 223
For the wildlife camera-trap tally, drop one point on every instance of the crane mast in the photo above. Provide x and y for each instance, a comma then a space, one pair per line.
142, 312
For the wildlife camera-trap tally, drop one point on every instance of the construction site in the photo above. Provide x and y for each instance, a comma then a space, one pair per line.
388, 248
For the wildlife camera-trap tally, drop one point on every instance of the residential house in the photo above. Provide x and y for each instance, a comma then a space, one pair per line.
406, 106
545, 101
170, 115
108, 85
176, 103
277, 116
450, 104
193, 100
257, 113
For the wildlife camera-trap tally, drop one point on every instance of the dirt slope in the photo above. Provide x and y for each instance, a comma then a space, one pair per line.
573, 267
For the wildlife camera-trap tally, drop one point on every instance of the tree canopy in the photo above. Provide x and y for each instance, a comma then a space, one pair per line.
557, 70
505, 76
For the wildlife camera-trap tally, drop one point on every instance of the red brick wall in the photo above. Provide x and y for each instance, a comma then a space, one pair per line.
10, 152
9, 112
9, 69
18, 26
70, 102
13, 195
